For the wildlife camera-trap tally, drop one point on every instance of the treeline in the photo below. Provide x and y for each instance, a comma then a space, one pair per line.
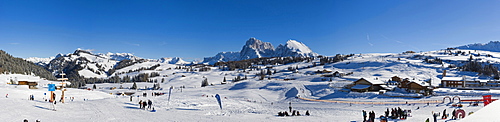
249, 63
245, 64
126, 63
485, 69
10, 64
336, 58
143, 77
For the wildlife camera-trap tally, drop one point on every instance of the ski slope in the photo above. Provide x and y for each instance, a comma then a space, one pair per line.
247, 100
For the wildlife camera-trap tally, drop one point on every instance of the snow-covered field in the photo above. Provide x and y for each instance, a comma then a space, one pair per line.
247, 100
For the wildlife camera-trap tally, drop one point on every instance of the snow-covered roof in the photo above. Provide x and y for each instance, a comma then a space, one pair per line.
388, 87
376, 81
422, 83
483, 81
452, 78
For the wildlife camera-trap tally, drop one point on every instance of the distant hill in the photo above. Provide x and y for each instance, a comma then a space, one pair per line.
9, 64
490, 46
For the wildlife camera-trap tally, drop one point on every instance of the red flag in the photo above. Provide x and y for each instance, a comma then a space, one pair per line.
486, 99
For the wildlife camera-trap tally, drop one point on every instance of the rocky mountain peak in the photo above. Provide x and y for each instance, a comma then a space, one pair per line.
255, 48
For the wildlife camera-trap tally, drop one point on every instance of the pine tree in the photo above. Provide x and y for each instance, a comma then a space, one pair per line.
238, 78
204, 82
134, 86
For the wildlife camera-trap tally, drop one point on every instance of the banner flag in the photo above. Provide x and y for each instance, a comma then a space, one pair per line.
170, 92
486, 99
218, 100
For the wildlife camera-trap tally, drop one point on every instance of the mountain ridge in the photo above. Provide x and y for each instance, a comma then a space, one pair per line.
255, 48
490, 46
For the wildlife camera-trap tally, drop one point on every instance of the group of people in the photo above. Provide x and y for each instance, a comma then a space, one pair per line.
26, 120
294, 113
370, 115
32, 97
144, 104
396, 113
435, 115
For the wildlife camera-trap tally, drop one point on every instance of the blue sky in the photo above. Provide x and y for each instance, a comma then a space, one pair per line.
193, 29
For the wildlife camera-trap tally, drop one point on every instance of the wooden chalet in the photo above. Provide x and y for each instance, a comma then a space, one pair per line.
422, 88
453, 82
396, 78
404, 83
363, 85
30, 84
338, 74
492, 83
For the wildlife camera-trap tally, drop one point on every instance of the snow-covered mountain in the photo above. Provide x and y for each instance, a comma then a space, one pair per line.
175, 60
295, 49
490, 46
119, 56
255, 48
222, 57
40, 61
86, 64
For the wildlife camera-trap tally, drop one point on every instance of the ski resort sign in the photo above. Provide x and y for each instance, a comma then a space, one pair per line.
52, 87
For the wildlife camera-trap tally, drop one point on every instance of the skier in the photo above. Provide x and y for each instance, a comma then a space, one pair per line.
387, 113
307, 113
144, 104
435, 115
54, 97
6, 95
364, 115
130, 98
140, 104
298, 114
149, 104
453, 114
444, 114
290, 106
54, 105
372, 117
